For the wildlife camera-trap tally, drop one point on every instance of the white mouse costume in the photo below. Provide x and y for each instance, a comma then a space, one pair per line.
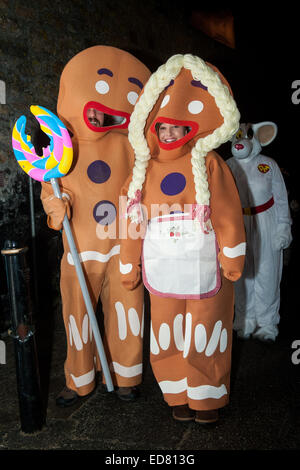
268, 228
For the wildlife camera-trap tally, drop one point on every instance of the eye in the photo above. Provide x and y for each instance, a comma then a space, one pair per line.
165, 101
102, 87
239, 134
195, 107
132, 97
250, 133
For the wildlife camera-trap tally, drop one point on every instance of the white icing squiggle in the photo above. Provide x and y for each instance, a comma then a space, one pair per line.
95, 255
125, 268
84, 379
125, 371
202, 392
236, 251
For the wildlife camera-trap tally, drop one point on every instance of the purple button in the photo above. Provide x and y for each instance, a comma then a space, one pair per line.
104, 212
98, 171
173, 184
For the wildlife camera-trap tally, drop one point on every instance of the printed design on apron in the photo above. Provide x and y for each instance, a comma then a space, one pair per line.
180, 257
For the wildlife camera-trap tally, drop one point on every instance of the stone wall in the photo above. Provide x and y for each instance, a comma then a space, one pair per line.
38, 37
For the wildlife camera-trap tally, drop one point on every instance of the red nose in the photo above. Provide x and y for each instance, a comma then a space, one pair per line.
239, 146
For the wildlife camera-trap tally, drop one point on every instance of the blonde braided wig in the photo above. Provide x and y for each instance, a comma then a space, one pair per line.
152, 90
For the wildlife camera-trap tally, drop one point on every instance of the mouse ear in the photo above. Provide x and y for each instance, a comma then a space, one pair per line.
265, 132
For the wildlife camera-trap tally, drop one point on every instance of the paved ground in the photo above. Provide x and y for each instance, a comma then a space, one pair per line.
263, 414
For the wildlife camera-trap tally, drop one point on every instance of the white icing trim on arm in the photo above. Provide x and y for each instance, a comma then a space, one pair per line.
125, 268
236, 251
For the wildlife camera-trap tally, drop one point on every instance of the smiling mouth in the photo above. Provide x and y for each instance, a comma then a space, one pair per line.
169, 141
113, 119
169, 144
94, 122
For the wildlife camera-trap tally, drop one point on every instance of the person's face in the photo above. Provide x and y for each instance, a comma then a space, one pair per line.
169, 133
95, 117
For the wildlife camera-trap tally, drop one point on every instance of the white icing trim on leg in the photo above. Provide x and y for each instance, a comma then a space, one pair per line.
214, 339
134, 321
154, 348
84, 379
122, 324
164, 336
200, 338
202, 392
206, 391
75, 333
188, 334
223, 340
178, 332
125, 371
173, 386
85, 328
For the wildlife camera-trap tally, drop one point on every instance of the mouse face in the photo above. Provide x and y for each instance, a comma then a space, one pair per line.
250, 138
244, 142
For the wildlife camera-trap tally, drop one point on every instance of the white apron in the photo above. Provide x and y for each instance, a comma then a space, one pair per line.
179, 259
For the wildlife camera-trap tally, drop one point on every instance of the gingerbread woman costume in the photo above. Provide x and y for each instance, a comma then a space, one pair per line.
185, 230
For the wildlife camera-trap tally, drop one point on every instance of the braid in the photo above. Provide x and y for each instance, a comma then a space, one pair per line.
229, 112
157, 82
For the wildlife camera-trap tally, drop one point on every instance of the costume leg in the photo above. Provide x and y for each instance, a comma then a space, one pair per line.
124, 323
191, 348
166, 347
82, 356
267, 281
209, 355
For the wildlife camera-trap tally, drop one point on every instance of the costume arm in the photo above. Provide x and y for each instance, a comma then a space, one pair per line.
226, 217
130, 259
283, 236
131, 249
55, 208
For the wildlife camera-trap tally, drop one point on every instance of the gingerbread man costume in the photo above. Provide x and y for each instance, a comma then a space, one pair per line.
108, 80
183, 200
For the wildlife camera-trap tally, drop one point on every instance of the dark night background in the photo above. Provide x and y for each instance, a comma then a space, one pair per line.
38, 38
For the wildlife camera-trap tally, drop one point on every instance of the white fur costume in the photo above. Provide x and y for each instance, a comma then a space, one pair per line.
268, 228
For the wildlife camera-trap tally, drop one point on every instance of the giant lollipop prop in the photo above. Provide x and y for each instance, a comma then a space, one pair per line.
55, 163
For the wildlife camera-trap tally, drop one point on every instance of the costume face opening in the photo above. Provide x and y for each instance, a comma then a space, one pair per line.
98, 90
100, 118
187, 103
173, 133
188, 92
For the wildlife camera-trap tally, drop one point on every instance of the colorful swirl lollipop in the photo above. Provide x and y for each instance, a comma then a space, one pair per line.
55, 163
57, 157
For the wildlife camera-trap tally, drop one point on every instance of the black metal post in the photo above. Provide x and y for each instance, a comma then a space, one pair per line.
28, 379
